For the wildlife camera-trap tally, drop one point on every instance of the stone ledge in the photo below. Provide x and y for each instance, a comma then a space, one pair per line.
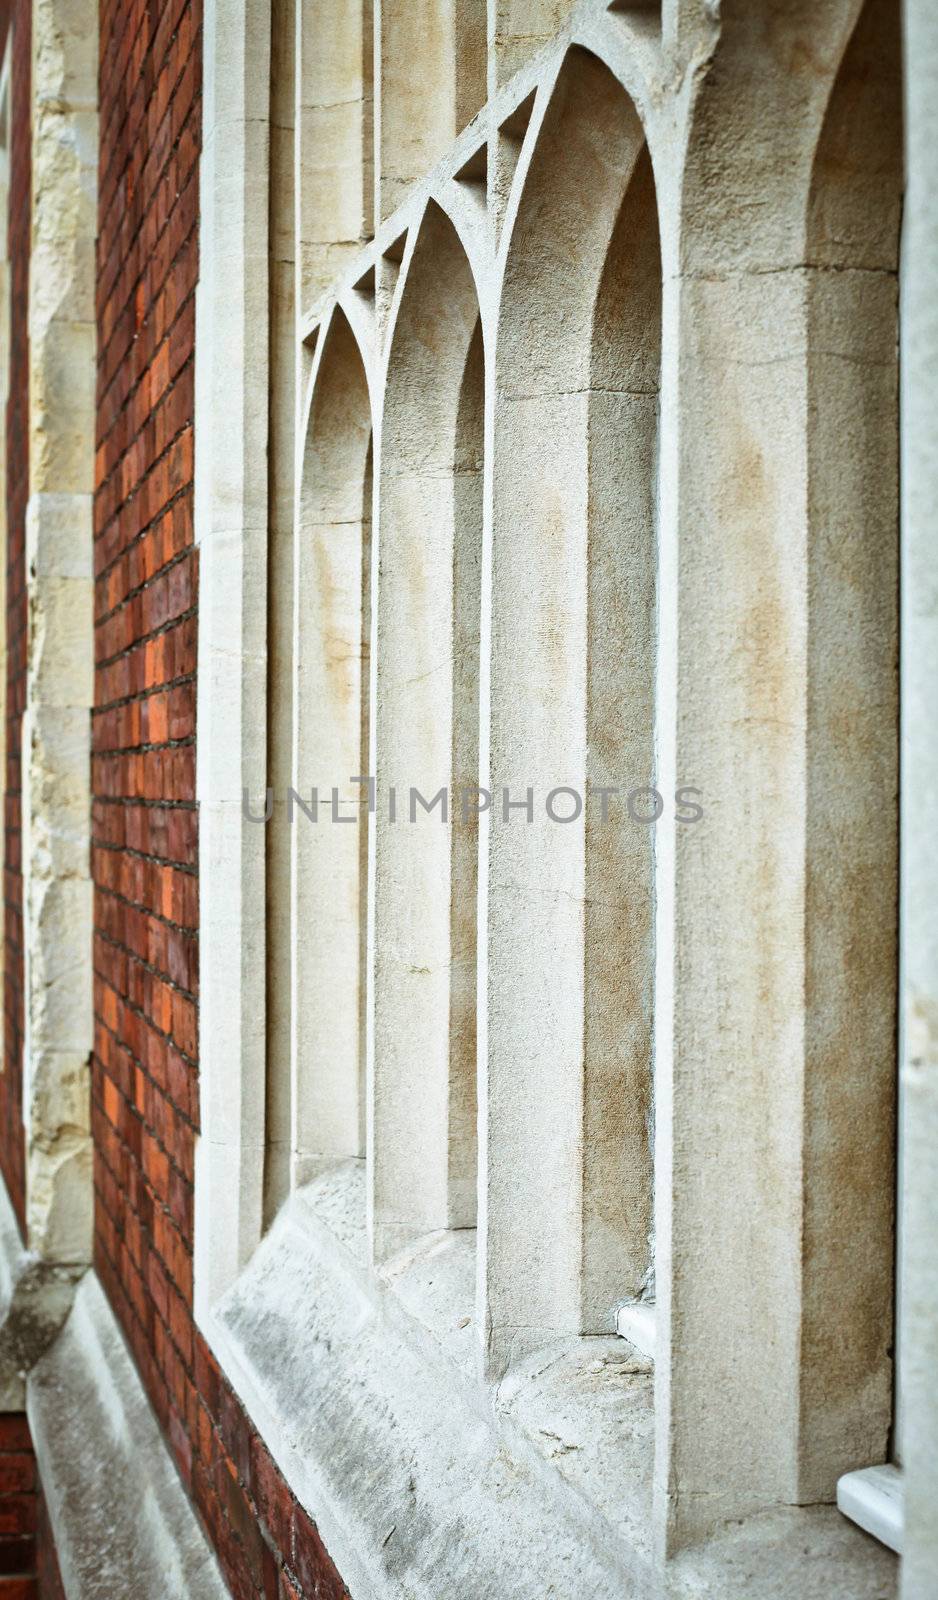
122, 1522
423, 1483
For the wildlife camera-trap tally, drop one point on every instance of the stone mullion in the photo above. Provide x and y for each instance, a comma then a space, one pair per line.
730, 948
918, 1343
231, 517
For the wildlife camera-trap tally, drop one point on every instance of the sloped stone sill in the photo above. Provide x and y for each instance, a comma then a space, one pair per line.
122, 1522
425, 1483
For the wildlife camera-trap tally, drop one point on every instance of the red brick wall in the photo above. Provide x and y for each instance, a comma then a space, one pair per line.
145, 1069
18, 1510
29, 1567
48, 1576
12, 1153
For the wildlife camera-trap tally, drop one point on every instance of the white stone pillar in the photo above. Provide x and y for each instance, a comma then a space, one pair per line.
776, 949
231, 520
918, 1350
60, 672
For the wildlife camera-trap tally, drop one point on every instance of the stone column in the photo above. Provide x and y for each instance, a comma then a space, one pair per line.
777, 937
919, 1226
231, 523
56, 729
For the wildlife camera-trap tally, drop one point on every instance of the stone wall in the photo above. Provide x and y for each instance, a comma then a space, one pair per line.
29, 1568
371, 1209
12, 1139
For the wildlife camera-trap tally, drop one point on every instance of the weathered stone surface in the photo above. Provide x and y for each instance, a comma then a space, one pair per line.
60, 664
122, 1521
680, 231
426, 1484
35, 1299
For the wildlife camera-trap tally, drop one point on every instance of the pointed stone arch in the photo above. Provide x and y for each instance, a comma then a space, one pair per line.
570, 948
427, 714
332, 620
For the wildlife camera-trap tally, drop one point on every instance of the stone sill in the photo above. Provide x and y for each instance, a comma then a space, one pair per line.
426, 1481
122, 1522
873, 1499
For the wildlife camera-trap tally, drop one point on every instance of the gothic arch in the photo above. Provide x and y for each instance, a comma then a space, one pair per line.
331, 715
572, 702
430, 537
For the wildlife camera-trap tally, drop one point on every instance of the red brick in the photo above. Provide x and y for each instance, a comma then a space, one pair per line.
17, 1473
14, 1431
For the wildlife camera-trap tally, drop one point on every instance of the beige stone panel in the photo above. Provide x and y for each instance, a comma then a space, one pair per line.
65, 55
59, 1200
59, 959
438, 42
59, 544
517, 30
60, 666
335, 137
60, 1195
55, 748
62, 261
61, 392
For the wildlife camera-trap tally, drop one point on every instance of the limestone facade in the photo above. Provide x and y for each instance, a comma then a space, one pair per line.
552, 1210
596, 487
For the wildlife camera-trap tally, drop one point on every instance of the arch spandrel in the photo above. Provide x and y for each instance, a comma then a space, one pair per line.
752, 133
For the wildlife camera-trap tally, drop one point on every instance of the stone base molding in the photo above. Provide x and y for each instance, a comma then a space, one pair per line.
122, 1521
427, 1484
